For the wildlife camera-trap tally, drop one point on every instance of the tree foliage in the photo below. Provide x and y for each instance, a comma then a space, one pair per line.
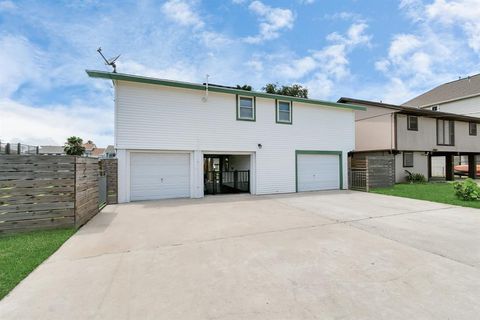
294, 90
244, 87
74, 146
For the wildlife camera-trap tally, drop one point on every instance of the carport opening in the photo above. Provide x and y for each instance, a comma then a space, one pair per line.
225, 173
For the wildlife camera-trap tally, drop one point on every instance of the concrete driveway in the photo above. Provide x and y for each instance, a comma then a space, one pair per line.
330, 255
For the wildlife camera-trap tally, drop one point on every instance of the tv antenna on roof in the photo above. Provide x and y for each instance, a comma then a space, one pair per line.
110, 62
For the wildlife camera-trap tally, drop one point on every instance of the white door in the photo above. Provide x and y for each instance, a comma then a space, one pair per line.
159, 176
318, 172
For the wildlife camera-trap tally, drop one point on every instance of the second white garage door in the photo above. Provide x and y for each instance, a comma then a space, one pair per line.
318, 172
159, 176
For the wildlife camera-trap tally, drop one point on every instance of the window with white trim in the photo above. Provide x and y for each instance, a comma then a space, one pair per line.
246, 108
284, 112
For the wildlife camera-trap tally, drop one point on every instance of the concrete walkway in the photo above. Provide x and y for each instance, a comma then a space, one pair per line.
330, 255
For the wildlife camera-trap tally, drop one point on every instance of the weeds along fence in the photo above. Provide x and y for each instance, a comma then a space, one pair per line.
46, 192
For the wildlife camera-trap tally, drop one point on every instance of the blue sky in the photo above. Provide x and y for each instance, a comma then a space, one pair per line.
381, 50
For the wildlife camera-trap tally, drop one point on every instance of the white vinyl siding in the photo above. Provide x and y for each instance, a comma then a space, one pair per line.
318, 172
159, 176
151, 117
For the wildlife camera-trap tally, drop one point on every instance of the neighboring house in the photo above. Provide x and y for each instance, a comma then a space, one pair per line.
51, 150
460, 96
98, 153
91, 150
176, 139
109, 152
89, 147
415, 137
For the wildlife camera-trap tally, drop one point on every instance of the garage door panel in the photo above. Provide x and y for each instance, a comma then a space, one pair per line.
318, 172
159, 176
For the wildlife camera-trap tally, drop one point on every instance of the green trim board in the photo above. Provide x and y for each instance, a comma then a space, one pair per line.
277, 101
196, 86
254, 105
328, 152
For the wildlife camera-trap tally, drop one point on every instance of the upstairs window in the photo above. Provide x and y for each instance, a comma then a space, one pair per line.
445, 132
246, 108
472, 128
407, 159
284, 112
412, 123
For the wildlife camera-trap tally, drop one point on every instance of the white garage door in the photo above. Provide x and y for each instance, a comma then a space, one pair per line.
159, 176
318, 172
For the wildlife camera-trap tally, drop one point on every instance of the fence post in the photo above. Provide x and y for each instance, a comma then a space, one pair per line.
367, 173
19, 148
235, 179
7, 148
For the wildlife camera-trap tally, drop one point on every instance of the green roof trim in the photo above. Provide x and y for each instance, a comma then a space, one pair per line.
196, 86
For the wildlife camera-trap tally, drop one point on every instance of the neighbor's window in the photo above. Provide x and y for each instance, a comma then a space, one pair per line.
284, 112
408, 159
245, 108
412, 123
445, 132
472, 128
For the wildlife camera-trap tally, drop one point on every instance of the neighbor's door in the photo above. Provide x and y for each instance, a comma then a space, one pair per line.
318, 172
159, 176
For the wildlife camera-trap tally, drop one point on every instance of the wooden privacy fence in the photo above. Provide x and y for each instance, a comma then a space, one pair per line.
371, 172
45, 192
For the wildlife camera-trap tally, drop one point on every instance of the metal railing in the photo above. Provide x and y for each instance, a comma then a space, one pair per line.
217, 182
17, 148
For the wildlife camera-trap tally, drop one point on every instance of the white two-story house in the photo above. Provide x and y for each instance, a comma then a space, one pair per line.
421, 141
176, 139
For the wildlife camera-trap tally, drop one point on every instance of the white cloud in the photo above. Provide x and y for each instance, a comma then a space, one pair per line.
7, 5
344, 15
178, 71
52, 125
434, 52
323, 69
182, 13
19, 64
272, 21
463, 13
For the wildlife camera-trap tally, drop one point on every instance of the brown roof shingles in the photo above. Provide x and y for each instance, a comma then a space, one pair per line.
450, 91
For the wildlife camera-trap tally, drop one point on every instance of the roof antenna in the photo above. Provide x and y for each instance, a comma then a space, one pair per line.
204, 99
110, 62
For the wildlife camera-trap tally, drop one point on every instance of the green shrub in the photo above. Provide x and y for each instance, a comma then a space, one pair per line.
415, 177
467, 190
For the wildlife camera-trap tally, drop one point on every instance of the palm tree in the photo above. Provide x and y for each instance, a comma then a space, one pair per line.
74, 146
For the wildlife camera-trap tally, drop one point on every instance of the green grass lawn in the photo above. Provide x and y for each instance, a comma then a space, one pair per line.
21, 253
436, 192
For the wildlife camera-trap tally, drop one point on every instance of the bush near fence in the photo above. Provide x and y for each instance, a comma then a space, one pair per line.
45, 192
